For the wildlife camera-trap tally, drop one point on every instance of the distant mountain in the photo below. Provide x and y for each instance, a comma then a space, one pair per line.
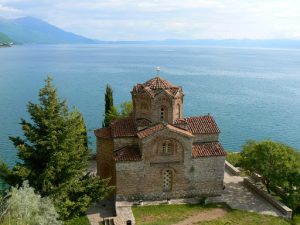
245, 43
31, 30
4, 39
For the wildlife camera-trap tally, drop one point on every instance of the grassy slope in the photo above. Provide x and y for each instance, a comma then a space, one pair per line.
170, 214
82, 220
238, 217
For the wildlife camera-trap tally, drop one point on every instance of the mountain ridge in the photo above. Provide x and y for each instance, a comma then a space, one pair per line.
30, 30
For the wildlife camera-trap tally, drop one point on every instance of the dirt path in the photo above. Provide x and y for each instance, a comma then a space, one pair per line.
203, 216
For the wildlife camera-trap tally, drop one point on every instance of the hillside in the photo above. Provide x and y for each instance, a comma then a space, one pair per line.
4, 39
34, 31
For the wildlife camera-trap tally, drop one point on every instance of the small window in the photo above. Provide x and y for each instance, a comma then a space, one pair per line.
167, 180
178, 111
163, 113
168, 147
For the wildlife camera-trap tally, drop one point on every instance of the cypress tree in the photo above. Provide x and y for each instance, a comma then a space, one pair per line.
109, 103
54, 156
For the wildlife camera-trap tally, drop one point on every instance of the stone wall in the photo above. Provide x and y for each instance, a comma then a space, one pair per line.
105, 161
286, 211
207, 174
142, 106
129, 180
232, 169
190, 177
150, 108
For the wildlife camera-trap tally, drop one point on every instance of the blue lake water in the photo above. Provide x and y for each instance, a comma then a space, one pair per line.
252, 93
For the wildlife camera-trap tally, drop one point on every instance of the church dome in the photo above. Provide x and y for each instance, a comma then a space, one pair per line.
158, 83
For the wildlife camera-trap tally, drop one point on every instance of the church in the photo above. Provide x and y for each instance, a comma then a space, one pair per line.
156, 153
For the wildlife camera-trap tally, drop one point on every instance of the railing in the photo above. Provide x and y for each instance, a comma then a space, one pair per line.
235, 171
286, 211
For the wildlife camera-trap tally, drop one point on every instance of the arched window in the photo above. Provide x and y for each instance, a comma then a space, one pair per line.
167, 147
167, 180
178, 110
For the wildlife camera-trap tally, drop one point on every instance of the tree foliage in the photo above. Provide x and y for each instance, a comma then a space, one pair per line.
54, 156
25, 207
126, 111
111, 111
109, 103
279, 166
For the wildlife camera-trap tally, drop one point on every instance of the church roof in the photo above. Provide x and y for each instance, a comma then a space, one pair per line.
123, 128
207, 149
155, 85
158, 127
128, 153
158, 83
127, 127
199, 124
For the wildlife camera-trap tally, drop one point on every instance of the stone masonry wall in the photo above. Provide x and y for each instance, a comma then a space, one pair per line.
190, 176
129, 177
207, 174
105, 161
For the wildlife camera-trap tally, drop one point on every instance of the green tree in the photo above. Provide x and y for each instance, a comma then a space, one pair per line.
25, 207
126, 109
279, 166
109, 103
54, 156
113, 114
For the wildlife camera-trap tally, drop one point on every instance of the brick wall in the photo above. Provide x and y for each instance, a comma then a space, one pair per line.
190, 177
105, 161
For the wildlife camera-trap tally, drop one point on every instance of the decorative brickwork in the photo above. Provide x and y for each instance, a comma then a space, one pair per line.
158, 154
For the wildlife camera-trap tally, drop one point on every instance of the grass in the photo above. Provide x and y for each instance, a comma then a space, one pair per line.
237, 217
167, 214
81, 220
170, 214
296, 220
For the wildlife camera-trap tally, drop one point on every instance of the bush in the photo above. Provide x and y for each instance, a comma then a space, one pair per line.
234, 158
25, 207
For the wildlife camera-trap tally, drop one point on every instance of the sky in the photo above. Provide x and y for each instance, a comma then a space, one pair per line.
165, 19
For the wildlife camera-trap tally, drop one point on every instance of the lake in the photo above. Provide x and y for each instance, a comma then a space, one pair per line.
252, 93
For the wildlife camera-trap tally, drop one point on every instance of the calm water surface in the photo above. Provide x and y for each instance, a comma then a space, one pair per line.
252, 93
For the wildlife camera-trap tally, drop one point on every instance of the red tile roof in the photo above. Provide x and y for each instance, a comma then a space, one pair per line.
200, 124
207, 149
103, 132
143, 122
158, 83
150, 130
155, 85
158, 127
128, 153
123, 128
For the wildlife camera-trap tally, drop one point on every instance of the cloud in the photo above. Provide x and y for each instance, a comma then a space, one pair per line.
9, 11
162, 19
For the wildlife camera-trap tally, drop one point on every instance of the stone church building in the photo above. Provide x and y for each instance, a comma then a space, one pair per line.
157, 153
